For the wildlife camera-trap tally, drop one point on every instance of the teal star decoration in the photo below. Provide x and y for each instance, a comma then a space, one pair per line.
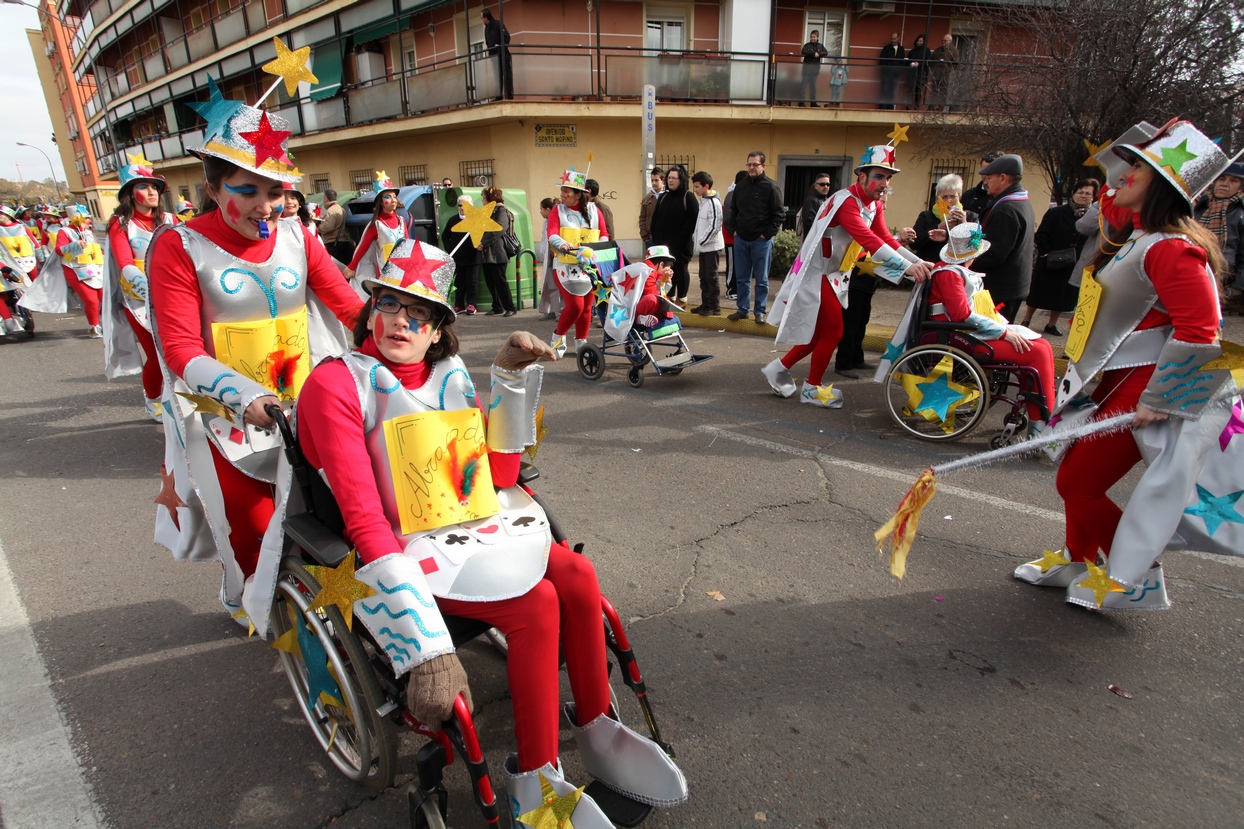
319, 680
216, 111
618, 315
1216, 510
976, 237
1176, 157
938, 396
893, 351
602, 293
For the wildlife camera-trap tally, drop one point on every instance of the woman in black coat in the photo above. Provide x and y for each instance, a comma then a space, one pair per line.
931, 225
918, 71
1059, 245
492, 256
673, 224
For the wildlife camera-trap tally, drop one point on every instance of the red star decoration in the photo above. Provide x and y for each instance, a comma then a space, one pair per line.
168, 496
566, 175
415, 268
266, 141
628, 283
146, 172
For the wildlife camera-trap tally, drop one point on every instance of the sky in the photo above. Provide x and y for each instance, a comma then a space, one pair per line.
21, 101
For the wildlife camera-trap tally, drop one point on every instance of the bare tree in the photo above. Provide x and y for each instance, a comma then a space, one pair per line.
1064, 77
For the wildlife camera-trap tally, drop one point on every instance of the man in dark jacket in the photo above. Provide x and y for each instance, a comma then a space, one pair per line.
756, 214
1009, 225
893, 63
497, 39
821, 187
976, 199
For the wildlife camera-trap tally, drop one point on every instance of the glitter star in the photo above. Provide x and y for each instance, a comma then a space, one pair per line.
321, 686
207, 405
339, 586
567, 176
216, 111
137, 158
899, 135
893, 351
1093, 150
555, 810
1235, 426
477, 221
825, 393
266, 141
290, 66
1176, 157
541, 432
415, 268
1051, 559
242, 614
168, 496
937, 396
1216, 510
1100, 583
1232, 360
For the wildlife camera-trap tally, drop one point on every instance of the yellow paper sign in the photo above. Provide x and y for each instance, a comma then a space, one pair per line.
1086, 311
272, 352
848, 259
18, 245
575, 236
91, 255
983, 304
439, 463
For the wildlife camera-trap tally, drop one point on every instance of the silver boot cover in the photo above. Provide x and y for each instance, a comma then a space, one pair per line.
526, 796
627, 762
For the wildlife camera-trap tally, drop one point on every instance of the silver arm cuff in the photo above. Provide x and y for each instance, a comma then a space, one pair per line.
1179, 385
212, 378
892, 264
402, 616
512, 403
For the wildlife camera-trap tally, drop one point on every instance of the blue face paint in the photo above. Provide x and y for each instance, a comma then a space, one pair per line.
243, 190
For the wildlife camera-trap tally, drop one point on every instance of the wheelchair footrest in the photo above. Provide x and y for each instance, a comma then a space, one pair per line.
618, 807
676, 360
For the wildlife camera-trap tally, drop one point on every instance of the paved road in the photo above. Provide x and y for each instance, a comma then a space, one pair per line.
820, 692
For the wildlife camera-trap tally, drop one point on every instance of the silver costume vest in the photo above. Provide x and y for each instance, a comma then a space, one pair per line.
488, 559
574, 230
134, 285
15, 238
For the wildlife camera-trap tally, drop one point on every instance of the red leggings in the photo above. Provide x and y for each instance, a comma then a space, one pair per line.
248, 508
824, 340
562, 609
576, 311
1040, 357
5, 313
91, 297
1093, 465
153, 380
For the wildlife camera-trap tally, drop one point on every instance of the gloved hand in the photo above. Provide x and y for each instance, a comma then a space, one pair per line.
521, 349
433, 687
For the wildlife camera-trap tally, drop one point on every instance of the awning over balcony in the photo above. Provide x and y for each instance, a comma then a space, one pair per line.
378, 31
326, 66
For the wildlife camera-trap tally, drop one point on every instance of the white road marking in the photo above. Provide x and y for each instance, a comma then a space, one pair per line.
42, 785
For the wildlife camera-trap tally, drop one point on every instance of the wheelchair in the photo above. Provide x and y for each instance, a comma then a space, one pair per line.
944, 382
661, 346
359, 730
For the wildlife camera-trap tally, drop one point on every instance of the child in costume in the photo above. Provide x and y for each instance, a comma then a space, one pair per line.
637, 294
572, 223
499, 565
128, 346
808, 311
385, 230
242, 304
185, 210
1153, 334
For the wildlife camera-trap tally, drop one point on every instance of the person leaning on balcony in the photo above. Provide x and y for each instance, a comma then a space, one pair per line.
893, 60
918, 71
943, 65
813, 54
497, 39
333, 229
649, 204
385, 230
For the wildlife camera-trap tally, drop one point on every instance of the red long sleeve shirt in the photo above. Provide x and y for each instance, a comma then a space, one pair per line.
870, 237
174, 283
948, 289
119, 240
330, 432
390, 220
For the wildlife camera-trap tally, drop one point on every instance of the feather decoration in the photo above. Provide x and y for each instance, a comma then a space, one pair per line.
465, 474
281, 370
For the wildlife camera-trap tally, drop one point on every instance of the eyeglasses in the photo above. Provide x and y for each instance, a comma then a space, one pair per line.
822, 184
751, 164
415, 311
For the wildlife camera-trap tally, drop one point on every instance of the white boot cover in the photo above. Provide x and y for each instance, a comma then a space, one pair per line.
527, 794
827, 397
1054, 569
1151, 595
627, 762
779, 378
558, 344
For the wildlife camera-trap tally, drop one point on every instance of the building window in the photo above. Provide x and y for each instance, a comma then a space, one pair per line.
319, 182
667, 161
477, 173
666, 29
963, 167
361, 179
831, 27
413, 174
184, 192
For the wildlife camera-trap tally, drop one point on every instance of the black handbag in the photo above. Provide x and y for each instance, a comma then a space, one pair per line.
1059, 259
509, 239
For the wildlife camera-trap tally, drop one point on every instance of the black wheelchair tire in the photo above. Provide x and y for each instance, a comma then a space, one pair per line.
635, 376
591, 361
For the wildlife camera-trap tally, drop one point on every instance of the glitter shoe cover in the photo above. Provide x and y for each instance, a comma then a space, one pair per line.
627, 762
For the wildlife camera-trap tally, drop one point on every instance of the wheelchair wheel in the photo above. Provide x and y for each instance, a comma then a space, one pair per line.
429, 815
359, 741
635, 376
591, 361
936, 393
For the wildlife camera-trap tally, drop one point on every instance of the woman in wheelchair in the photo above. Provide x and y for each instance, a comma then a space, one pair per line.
403, 406
957, 295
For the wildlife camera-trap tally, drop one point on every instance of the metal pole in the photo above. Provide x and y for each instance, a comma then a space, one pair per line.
55, 183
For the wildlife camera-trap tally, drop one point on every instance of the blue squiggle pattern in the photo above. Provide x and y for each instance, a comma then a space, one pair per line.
445, 384
409, 588
1177, 376
1196, 381
389, 632
1198, 401
407, 612
396, 650
1145, 589
212, 388
1178, 397
293, 275
383, 390
269, 291
1173, 364
494, 404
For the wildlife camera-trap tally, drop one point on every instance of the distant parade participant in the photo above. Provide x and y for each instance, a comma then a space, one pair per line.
75, 262
296, 207
574, 222
18, 244
386, 229
128, 347
185, 210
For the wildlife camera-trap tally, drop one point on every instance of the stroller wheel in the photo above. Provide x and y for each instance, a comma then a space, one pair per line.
591, 361
635, 376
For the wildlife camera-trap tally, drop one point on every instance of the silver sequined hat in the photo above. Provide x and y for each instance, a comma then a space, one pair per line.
420, 270
964, 243
1181, 154
246, 136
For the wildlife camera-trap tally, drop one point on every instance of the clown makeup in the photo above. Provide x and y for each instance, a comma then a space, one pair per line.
400, 338
874, 181
388, 203
250, 203
1131, 194
291, 207
146, 198
569, 196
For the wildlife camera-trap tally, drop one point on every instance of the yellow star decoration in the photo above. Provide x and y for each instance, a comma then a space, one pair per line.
1232, 360
288, 642
242, 614
137, 158
541, 431
1051, 559
912, 382
554, 811
1100, 583
207, 405
825, 393
339, 586
1093, 150
899, 135
477, 222
290, 66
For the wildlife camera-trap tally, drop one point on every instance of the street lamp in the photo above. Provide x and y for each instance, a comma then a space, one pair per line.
55, 181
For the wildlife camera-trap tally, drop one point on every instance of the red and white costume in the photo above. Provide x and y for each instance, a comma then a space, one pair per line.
127, 329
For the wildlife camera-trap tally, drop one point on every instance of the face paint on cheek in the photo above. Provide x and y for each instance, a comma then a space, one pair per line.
377, 327
1129, 180
425, 328
231, 210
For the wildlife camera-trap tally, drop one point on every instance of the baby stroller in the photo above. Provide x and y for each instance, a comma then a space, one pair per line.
13, 289
358, 728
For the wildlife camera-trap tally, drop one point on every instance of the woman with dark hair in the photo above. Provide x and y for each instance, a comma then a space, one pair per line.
243, 304
572, 223
296, 208
128, 347
385, 230
492, 256
1153, 334
487, 554
1059, 245
673, 225
918, 69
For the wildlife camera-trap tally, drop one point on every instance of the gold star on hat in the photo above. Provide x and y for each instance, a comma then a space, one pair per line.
477, 221
137, 158
339, 586
291, 66
554, 810
1100, 583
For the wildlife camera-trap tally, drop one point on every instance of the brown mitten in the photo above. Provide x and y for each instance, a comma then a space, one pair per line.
521, 349
433, 687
